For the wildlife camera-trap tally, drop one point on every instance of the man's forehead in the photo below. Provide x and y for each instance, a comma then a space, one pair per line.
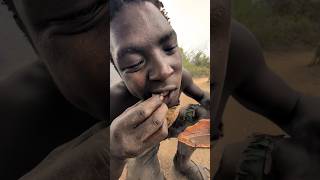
134, 14
37, 9
137, 23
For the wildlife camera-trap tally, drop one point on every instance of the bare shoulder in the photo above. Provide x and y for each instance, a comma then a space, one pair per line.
31, 93
118, 92
120, 99
35, 118
29, 98
118, 89
245, 56
30, 85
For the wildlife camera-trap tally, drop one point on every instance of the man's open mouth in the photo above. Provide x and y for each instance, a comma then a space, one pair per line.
168, 95
165, 93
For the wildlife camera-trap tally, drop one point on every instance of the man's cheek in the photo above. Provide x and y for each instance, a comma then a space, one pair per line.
177, 69
136, 84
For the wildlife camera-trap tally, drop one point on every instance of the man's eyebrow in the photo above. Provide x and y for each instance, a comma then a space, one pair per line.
129, 50
167, 36
135, 49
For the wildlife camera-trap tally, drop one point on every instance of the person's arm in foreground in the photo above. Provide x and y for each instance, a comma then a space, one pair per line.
261, 90
193, 91
103, 150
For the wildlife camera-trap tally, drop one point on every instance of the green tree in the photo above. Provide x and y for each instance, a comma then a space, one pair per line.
197, 63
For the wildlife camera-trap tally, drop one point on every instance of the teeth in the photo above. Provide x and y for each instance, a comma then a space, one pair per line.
165, 93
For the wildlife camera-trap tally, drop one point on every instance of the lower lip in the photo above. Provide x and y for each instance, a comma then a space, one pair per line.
167, 98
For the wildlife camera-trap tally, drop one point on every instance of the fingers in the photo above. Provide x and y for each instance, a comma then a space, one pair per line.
158, 136
139, 127
143, 110
153, 123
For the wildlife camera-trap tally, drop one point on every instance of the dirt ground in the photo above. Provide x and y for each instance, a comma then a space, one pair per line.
169, 146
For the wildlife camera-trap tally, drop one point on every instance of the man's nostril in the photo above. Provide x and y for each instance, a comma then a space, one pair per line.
161, 73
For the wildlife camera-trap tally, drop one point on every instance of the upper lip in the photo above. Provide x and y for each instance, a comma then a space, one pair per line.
164, 89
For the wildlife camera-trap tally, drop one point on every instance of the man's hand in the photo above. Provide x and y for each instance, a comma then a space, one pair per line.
138, 128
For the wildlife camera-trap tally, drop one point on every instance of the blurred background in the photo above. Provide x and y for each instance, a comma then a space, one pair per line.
285, 23
289, 33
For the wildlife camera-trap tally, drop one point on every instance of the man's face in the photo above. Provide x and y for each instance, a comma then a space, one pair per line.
70, 37
145, 52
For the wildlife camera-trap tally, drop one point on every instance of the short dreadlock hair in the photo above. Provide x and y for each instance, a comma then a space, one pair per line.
116, 5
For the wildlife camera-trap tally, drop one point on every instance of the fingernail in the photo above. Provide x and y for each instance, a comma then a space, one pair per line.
161, 97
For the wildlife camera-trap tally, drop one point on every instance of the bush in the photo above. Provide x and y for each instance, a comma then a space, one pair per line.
278, 23
197, 63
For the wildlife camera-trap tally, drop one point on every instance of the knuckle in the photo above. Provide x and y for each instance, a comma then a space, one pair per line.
117, 136
156, 122
164, 132
137, 138
141, 113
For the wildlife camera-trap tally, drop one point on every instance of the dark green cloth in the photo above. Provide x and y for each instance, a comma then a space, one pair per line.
256, 159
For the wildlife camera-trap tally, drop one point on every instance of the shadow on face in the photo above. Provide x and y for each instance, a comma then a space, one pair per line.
145, 51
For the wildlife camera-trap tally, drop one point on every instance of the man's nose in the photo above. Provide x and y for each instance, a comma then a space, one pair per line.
160, 71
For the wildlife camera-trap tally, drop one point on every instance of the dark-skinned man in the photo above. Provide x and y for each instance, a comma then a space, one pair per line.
145, 52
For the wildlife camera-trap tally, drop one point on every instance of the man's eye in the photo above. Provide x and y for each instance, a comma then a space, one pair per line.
79, 21
135, 67
87, 12
170, 49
